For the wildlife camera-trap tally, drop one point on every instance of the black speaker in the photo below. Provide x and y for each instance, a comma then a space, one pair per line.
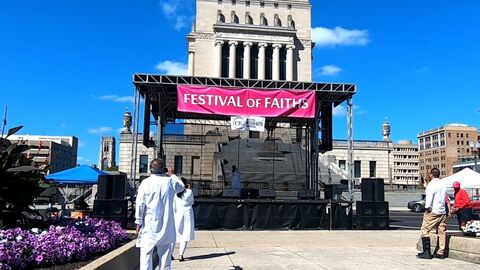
249, 193
115, 210
334, 191
266, 194
365, 208
373, 223
373, 189
231, 193
111, 187
372, 215
306, 194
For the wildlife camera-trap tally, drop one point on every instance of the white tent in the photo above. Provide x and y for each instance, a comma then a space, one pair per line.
467, 177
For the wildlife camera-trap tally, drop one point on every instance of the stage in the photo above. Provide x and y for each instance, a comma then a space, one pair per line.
264, 214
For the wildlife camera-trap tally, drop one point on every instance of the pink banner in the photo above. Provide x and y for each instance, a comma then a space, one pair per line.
246, 102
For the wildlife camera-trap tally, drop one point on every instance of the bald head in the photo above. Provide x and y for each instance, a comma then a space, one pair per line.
156, 166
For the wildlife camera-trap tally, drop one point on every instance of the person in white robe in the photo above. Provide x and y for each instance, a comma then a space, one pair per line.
236, 179
154, 215
184, 219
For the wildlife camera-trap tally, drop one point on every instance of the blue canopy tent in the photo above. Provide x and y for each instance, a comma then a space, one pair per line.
80, 177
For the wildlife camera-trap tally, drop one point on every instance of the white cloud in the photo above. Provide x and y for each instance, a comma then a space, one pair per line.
421, 70
99, 130
340, 110
169, 8
324, 37
172, 67
180, 12
181, 22
330, 70
117, 98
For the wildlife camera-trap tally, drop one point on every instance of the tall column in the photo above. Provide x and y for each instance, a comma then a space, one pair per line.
246, 59
190, 62
289, 67
276, 62
261, 60
233, 59
218, 58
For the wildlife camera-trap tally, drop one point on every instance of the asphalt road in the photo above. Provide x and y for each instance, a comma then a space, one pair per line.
406, 220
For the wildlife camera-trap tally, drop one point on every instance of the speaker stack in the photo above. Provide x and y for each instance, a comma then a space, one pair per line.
372, 210
110, 203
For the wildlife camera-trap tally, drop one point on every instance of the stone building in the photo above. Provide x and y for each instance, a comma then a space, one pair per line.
252, 40
396, 163
107, 153
60, 152
443, 146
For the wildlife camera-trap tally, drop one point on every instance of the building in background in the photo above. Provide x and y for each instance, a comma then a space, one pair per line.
107, 153
443, 146
397, 163
60, 152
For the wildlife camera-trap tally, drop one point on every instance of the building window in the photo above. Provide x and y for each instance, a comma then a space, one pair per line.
357, 169
262, 4
195, 165
289, 6
254, 62
268, 62
178, 164
342, 164
373, 169
143, 168
225, 60
247, 3
239, 62
283, 63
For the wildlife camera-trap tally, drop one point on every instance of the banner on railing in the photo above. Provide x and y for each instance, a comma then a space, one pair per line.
253, 123
246, 102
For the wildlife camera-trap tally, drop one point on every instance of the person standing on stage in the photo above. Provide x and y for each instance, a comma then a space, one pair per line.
236, 179
434, 216
154, 215
184, 219
462, 206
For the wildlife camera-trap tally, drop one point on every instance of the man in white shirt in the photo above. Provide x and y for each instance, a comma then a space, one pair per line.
434, 216
154, 215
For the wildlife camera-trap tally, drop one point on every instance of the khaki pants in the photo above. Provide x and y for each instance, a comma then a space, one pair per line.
430, 221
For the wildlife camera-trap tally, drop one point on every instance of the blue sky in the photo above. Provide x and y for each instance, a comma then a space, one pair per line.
66, 66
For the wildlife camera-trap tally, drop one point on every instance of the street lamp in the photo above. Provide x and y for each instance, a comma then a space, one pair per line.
475, 147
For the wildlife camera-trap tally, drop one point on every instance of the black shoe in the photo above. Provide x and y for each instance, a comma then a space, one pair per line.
181, 259
172, 258
439, 256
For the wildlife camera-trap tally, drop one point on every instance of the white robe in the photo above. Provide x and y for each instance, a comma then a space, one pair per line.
154, 210
184, 216
236, 180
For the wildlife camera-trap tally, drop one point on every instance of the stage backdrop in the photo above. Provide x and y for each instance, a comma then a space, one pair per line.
246, 102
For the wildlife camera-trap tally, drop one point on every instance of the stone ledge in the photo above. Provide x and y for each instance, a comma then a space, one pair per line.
124, 257
458, 247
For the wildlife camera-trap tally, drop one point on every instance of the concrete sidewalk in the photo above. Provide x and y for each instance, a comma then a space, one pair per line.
245, 250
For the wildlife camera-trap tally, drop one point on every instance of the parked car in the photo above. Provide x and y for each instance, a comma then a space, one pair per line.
475, 202
418, 206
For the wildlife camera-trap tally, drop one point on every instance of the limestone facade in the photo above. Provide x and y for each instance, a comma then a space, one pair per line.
396, 163
251, 39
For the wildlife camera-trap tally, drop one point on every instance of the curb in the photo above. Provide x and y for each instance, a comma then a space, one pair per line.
457, 247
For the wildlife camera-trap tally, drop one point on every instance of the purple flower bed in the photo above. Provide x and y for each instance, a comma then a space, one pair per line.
70, 240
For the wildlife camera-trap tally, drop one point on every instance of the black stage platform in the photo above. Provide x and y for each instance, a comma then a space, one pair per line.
253, 214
